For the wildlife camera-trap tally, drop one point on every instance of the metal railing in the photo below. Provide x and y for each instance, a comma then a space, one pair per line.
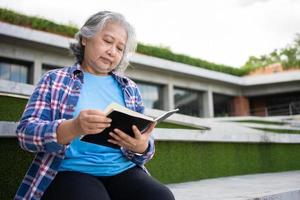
292, 108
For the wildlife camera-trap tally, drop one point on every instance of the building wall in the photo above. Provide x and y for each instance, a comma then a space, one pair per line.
37, 55
241, 106
171, 76
270, 69
176, 80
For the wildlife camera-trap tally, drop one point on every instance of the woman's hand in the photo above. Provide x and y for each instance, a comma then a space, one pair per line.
91, 122
138, 143
87, 122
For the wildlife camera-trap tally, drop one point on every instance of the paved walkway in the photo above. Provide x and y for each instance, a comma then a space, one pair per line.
279, 186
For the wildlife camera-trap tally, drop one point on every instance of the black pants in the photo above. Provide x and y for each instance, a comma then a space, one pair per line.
133, 184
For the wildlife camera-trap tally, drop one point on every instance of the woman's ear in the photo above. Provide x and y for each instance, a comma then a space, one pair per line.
83, 41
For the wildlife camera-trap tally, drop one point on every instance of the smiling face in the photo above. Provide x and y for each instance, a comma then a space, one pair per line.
104, 51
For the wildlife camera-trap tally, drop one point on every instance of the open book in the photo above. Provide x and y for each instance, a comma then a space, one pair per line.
123, 119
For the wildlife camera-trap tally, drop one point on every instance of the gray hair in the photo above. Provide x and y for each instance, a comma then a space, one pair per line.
96, 23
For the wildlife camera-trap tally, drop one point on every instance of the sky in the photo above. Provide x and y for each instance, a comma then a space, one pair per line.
225, 32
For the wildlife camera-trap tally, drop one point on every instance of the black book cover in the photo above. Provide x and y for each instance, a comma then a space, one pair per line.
121, 121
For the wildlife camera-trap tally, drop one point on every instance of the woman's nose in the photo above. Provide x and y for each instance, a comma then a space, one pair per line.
112, 51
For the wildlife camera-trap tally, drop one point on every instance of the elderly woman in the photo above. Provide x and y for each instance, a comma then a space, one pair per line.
67, 103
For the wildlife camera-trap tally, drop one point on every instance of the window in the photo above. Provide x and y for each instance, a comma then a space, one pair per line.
152, 95
223, 105
47, 67
14, 70
189, 102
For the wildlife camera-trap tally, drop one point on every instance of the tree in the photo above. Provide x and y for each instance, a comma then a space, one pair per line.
289, 57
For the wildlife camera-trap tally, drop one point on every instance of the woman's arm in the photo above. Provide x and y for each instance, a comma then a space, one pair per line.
36, 131
87, 122
139, 157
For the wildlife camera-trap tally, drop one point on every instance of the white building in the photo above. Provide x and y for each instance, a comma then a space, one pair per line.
25, 54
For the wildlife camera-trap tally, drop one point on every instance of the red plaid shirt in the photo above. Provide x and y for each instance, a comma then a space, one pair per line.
53, 101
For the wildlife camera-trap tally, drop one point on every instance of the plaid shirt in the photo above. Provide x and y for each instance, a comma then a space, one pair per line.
53, 101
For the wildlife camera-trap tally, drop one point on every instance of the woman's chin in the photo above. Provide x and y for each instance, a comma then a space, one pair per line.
104, 70
104, 67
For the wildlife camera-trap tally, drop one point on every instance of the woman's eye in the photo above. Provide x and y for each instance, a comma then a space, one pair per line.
108, 41
120, 48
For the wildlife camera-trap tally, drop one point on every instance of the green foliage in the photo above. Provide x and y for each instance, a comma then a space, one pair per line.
188, 161
14, 163
67, 30
292, 57
172, 125
166, 53
174, 161
261, 122
11, 108
285, 131
289, 57
36, 23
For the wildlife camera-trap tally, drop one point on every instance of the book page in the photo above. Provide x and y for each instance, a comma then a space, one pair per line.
165, 115
118, 107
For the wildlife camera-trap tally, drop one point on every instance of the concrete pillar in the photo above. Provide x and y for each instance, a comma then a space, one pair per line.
37, 70
241, 106
208, 104
168, 97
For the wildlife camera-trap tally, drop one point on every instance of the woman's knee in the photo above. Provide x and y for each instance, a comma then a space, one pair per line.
163, 193
75, 186
158, 192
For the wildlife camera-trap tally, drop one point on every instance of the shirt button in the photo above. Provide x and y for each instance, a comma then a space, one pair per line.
38, 194
52, 173
70, 107
131, 155
77, 87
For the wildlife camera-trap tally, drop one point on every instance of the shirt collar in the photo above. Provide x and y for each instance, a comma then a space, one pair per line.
76, 71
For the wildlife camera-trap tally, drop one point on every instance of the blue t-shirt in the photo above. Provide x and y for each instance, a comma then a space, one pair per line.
97, 92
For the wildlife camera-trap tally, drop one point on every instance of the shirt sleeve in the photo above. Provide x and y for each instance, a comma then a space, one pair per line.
149, 153
36, 131
143, 158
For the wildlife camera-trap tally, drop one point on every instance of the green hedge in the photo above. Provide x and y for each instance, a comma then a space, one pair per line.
261, 122
188, 161
36, 23
166, 53
11, 108
67, 30
174, 161
284, 131
14, 163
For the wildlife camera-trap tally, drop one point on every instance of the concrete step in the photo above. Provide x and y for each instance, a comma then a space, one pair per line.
267, 186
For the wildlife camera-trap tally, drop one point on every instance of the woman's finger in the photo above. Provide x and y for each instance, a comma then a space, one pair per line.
149, 129
137, 133
123, 139
96, 119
